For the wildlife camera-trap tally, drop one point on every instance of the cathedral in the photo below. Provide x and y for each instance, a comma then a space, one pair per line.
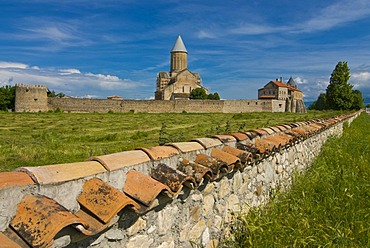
179, 81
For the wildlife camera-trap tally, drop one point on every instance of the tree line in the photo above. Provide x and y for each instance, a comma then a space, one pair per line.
339, 93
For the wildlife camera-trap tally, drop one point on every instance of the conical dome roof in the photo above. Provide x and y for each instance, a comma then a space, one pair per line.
179, 46
291, 82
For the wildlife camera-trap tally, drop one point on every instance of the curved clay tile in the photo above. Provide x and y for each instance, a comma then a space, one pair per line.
275, 129
208, 142
240, 136
197, 171
260, 132
224, 138
103, 200
187, 146
38, 219
268, 130
231, 160
301, 131
277, 141
10, 179
119, 160
63, 172
143, 188
244, 156
251, 134
6, 242
288, 139
174, 179
265, 147
251, 148
215, 165
160, 152
287, 126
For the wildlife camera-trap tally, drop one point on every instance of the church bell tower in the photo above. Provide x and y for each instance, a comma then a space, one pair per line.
179, 56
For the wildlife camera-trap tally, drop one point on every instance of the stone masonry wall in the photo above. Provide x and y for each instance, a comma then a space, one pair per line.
30, 98
156, 106
179, 195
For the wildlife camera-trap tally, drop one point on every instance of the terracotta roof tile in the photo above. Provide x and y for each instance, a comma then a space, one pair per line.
240, 136
143, 188
287, 126
187, 146
7, 242
231, 160
174, 179
215, 165
38, 219
281, 128
10, 179
94, 226
103, 200
265, 147
275, 129
249, 147
260, 132
208, 142
197, 171
278, 141
244, 156
268, 130
160, 152
119, 160
251, 134
63, 172
224, 138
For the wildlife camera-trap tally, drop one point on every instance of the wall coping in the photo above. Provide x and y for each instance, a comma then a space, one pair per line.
85, 198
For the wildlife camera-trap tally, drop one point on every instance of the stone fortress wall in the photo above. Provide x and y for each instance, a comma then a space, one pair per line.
33, 98
178, 195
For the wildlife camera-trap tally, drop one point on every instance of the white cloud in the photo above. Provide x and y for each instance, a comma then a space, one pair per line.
299, 80
206, 34
256, 29
104, 77
69, 71
361, 76
337, 14
9, 65
72, 82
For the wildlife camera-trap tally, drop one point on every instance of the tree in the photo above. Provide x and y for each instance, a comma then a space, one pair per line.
53, 94
320, 103
339, 92
198, 93
7, 97
214, 96
358, 101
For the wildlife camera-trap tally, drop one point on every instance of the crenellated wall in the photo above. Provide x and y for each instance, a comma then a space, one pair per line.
176, 195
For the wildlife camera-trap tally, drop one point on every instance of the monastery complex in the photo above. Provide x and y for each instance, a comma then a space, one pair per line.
172, 94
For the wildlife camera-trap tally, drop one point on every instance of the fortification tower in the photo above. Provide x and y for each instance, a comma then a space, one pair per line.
31, 98
179, 56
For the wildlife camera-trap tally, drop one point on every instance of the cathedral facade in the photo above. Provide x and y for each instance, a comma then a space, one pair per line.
179, 81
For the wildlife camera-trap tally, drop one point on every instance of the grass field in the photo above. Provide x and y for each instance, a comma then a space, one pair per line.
328, 206
32, 139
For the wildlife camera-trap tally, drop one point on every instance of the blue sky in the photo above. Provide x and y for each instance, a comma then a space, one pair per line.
90, 48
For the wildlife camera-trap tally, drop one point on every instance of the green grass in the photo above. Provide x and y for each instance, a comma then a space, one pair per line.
327, 206
33, 139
